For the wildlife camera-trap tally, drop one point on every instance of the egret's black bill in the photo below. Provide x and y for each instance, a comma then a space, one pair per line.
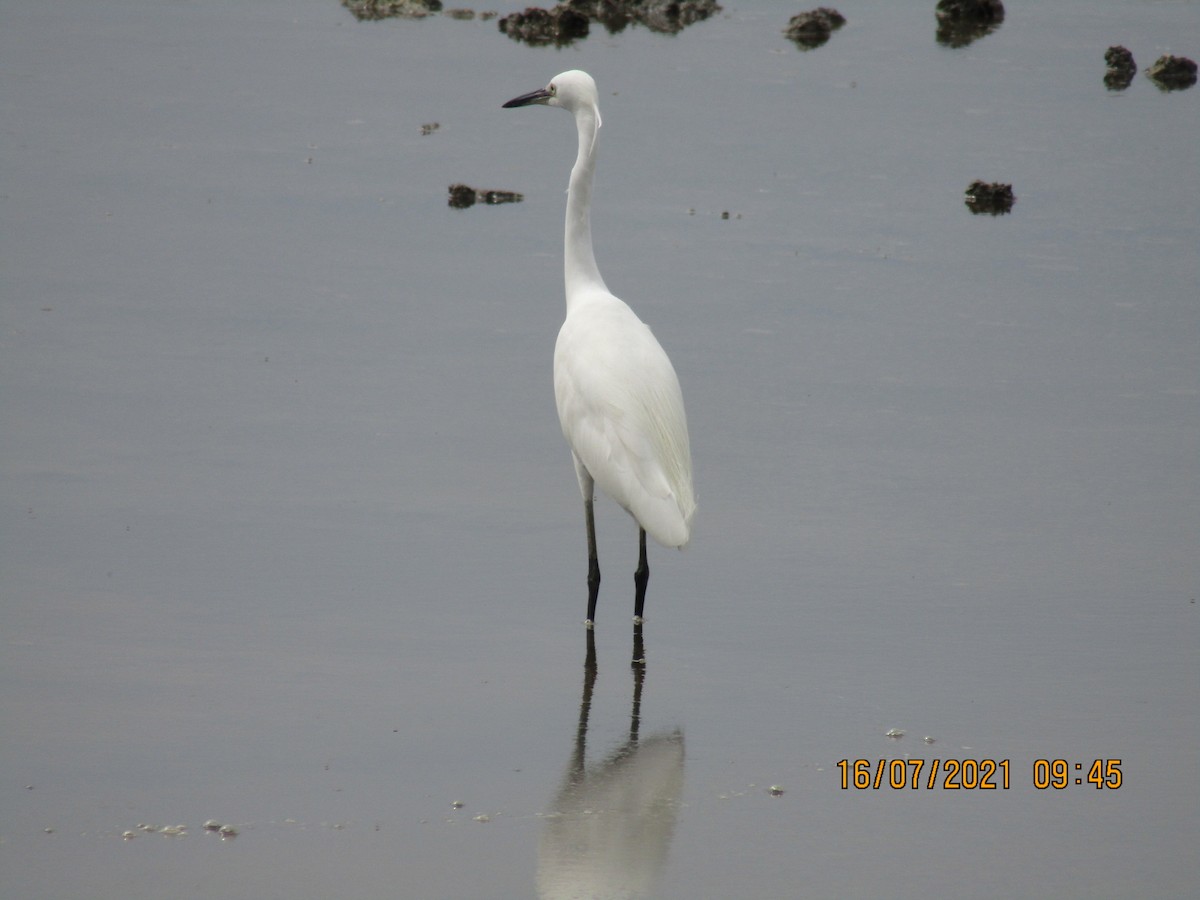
541, 95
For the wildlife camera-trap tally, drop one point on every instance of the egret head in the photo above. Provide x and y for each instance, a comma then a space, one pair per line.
573, 91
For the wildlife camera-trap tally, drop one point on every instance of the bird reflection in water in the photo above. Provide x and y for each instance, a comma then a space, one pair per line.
609, 830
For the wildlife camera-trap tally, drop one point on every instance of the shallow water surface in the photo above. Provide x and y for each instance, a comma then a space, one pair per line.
292, 542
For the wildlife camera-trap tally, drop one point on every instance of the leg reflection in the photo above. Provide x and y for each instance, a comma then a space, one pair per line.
609, 830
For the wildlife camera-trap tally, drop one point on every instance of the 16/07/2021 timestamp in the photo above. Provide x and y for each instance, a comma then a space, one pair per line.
974, 774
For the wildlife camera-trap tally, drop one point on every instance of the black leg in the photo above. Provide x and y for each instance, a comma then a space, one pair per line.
593, 578
639, 678
640, 577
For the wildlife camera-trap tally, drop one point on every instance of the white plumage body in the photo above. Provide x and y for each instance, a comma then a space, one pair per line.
621, 410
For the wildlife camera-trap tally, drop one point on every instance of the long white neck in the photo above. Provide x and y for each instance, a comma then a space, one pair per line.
579, 261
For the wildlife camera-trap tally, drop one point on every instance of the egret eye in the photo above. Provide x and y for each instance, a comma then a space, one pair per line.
553, 89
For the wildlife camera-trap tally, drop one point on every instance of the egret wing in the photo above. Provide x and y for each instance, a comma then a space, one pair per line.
621, 411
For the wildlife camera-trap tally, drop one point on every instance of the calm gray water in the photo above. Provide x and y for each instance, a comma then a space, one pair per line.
291, 540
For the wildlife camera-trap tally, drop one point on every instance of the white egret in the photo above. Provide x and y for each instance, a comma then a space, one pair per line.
618, 397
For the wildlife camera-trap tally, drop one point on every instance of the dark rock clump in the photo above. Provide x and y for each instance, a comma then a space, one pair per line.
569, 20
366, 10
463, 196
971, 10
542, 27
994, 199
1121, 68
962, 21
812, 29
1172, 73
662, 16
